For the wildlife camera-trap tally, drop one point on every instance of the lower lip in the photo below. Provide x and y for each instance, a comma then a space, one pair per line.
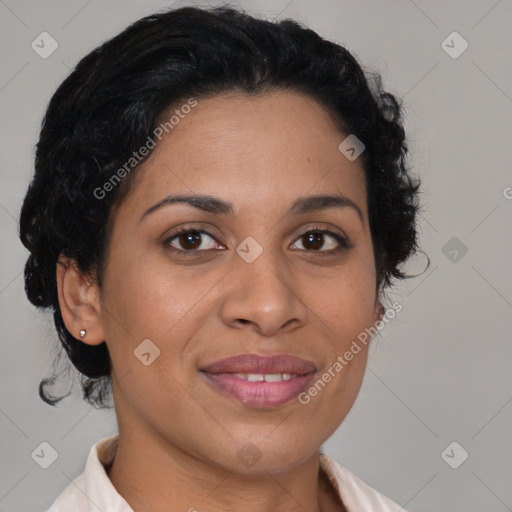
259, 394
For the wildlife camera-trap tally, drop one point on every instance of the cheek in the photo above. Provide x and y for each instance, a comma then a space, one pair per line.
345, 300
152, 300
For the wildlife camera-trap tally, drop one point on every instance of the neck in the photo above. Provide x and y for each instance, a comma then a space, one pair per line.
151, 478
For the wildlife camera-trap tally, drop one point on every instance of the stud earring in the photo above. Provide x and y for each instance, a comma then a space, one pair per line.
83, 332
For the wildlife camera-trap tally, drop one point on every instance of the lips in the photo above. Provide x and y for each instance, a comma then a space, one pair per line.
253, 363
260, 381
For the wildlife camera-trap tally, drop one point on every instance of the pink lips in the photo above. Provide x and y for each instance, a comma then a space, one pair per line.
260, 394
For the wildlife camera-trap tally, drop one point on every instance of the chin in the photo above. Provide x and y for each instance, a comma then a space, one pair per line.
255, 457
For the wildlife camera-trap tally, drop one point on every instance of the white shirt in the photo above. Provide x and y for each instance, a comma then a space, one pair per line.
92, 490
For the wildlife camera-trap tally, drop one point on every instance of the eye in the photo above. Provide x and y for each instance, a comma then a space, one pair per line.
196, 242
188, 241
314, 239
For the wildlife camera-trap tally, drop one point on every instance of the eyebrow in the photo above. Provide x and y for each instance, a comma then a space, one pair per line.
302, 205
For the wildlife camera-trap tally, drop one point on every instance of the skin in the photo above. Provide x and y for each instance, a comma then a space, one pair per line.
177, 432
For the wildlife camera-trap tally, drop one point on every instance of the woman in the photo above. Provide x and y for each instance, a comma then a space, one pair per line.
218, 207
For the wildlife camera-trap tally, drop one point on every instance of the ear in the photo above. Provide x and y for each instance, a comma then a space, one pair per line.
79, 300
379, 309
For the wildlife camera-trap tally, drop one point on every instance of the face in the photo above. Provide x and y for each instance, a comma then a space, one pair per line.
263, 279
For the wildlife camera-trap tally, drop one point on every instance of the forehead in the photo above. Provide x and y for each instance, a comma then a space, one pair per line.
254, 150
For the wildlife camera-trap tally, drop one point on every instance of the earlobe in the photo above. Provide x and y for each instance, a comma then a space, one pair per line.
379, 312
79, 302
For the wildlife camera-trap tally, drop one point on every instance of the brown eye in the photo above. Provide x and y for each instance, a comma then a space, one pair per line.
191, 240
313, 240
322, 241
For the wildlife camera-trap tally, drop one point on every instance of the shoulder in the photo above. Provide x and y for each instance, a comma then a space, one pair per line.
92, 490
72, 498
356, 494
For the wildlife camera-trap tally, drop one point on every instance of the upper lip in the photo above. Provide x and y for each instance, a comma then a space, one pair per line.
254, 363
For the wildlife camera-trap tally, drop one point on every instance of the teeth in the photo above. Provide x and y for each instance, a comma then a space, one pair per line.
264, 377
273, 377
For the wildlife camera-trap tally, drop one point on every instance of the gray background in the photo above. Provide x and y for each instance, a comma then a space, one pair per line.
439, 372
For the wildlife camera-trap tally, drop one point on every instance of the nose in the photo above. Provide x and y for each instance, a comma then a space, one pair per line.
263, 297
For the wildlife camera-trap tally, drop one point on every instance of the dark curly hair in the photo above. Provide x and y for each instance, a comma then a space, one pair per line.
110, 104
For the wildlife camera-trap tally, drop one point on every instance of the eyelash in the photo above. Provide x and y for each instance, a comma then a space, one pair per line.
342, 241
